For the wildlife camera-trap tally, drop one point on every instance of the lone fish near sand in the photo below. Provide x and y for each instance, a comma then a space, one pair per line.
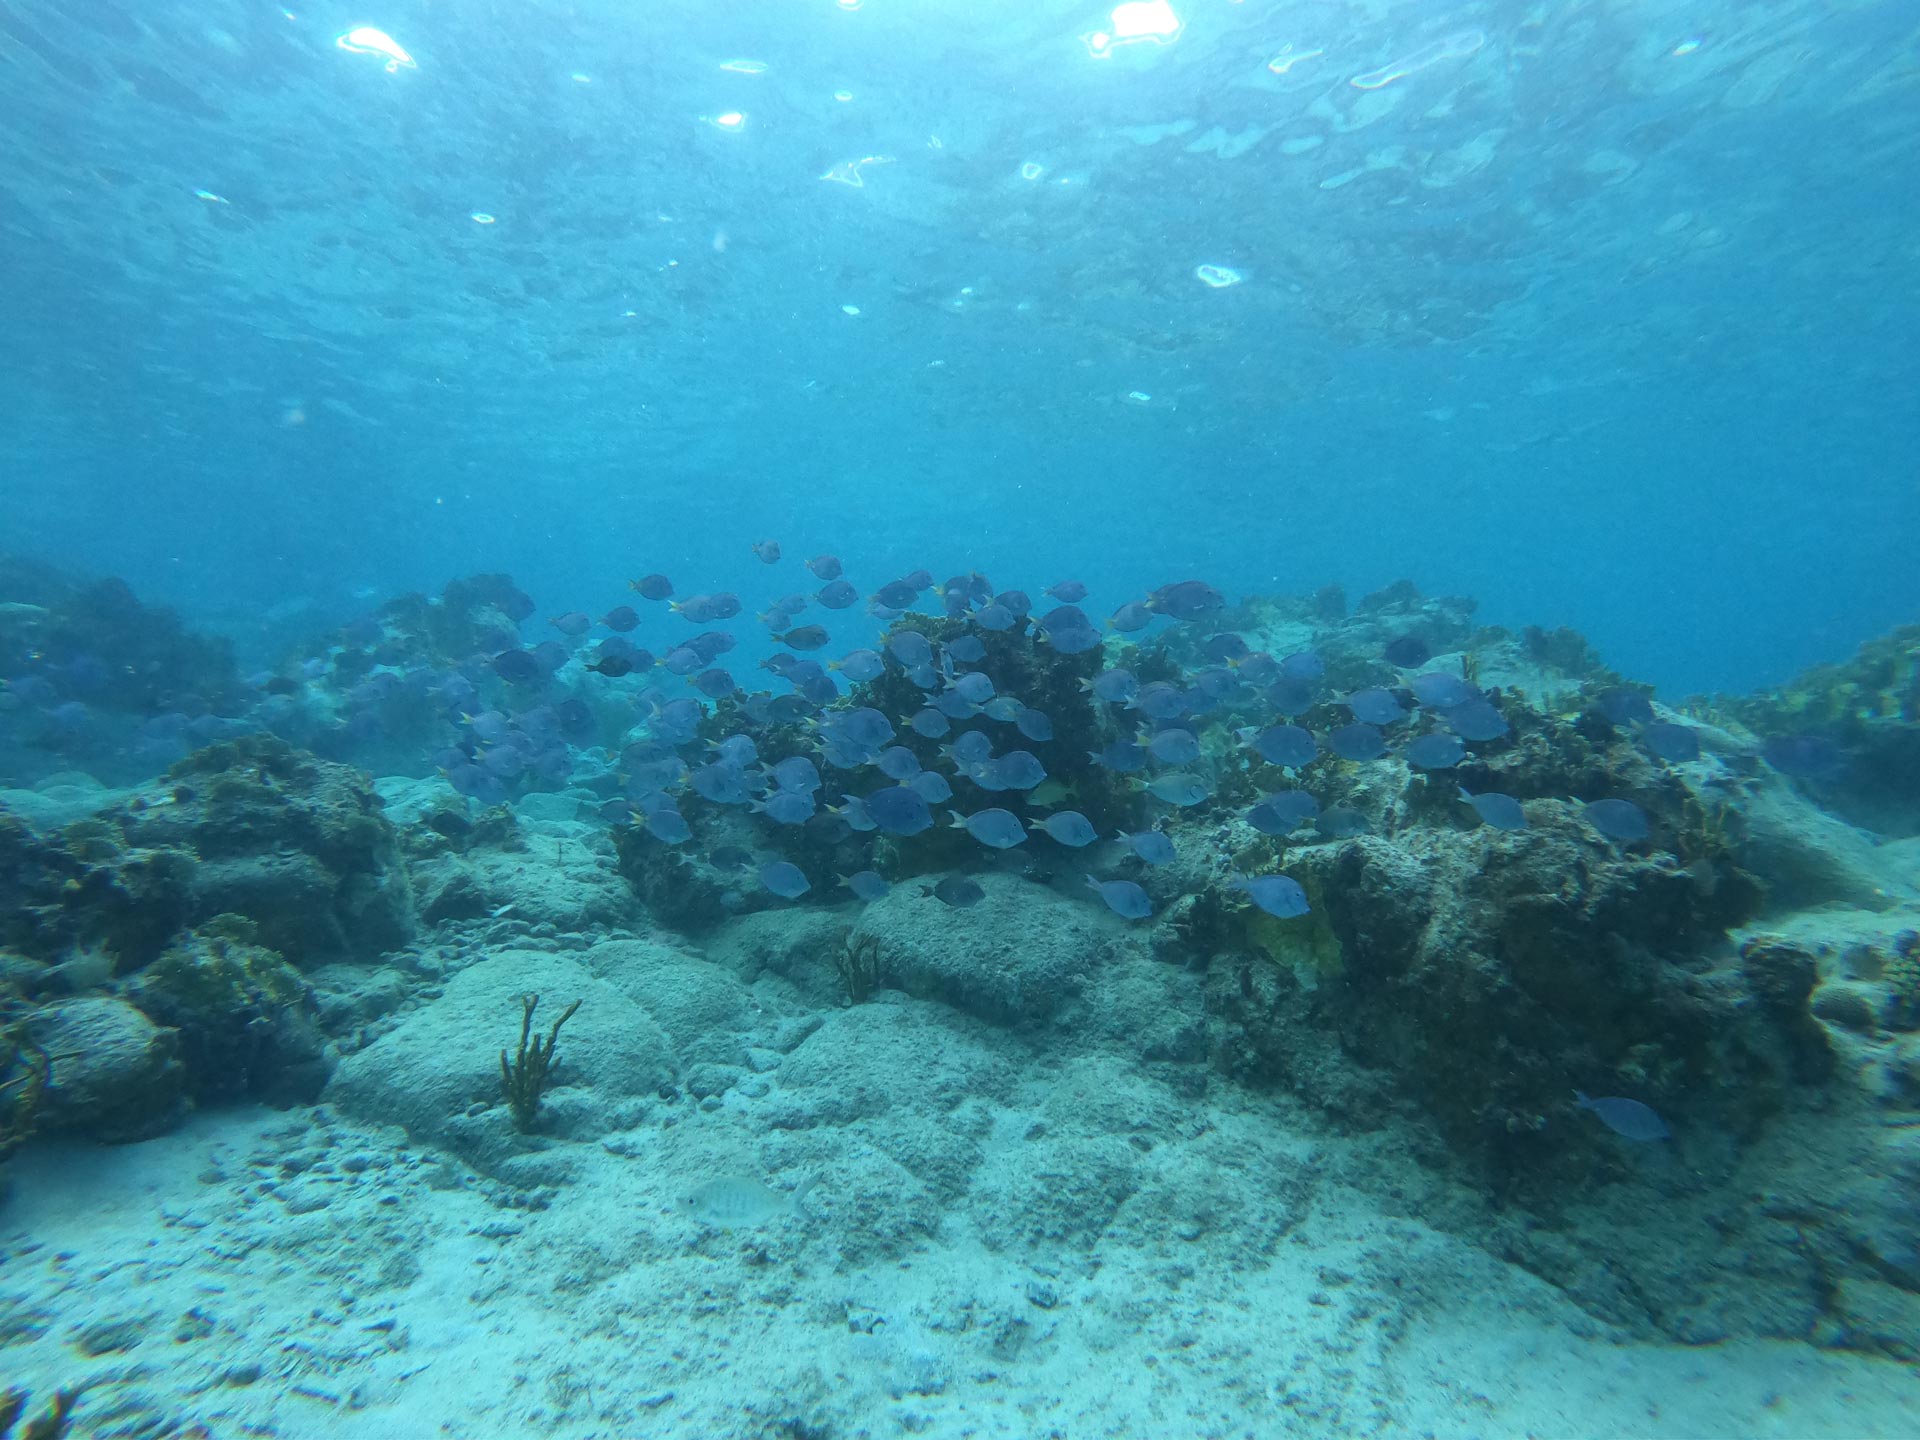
735, 1202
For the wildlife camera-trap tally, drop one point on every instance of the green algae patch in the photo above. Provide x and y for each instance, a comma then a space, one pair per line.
1305, 944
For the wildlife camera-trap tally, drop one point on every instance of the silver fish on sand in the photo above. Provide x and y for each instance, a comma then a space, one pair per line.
736, 1202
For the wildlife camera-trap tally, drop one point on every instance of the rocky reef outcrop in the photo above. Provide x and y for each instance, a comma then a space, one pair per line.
1484, 978
152, 955
247, 827
1848, 733
93, 642
244, 1018
93, 677
110, 1072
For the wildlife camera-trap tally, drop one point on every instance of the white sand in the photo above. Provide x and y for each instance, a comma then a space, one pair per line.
251, 1300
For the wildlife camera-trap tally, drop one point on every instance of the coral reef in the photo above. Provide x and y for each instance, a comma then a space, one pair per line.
90, 674
244, 1017
93, 642
1479, 976
1486, 977
684, 890
87, 886
475, 614
1436, 983
248, 827
160, 937
1849, 732
296, 844
394, 686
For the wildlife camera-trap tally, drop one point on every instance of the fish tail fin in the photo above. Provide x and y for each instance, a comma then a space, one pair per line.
798, 1200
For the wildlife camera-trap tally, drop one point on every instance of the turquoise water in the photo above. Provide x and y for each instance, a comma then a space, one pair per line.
1601, 315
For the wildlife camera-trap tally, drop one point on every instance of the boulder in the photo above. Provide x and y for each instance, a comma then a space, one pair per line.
438, 1072
1023, 956
115, 1075
246, 1019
